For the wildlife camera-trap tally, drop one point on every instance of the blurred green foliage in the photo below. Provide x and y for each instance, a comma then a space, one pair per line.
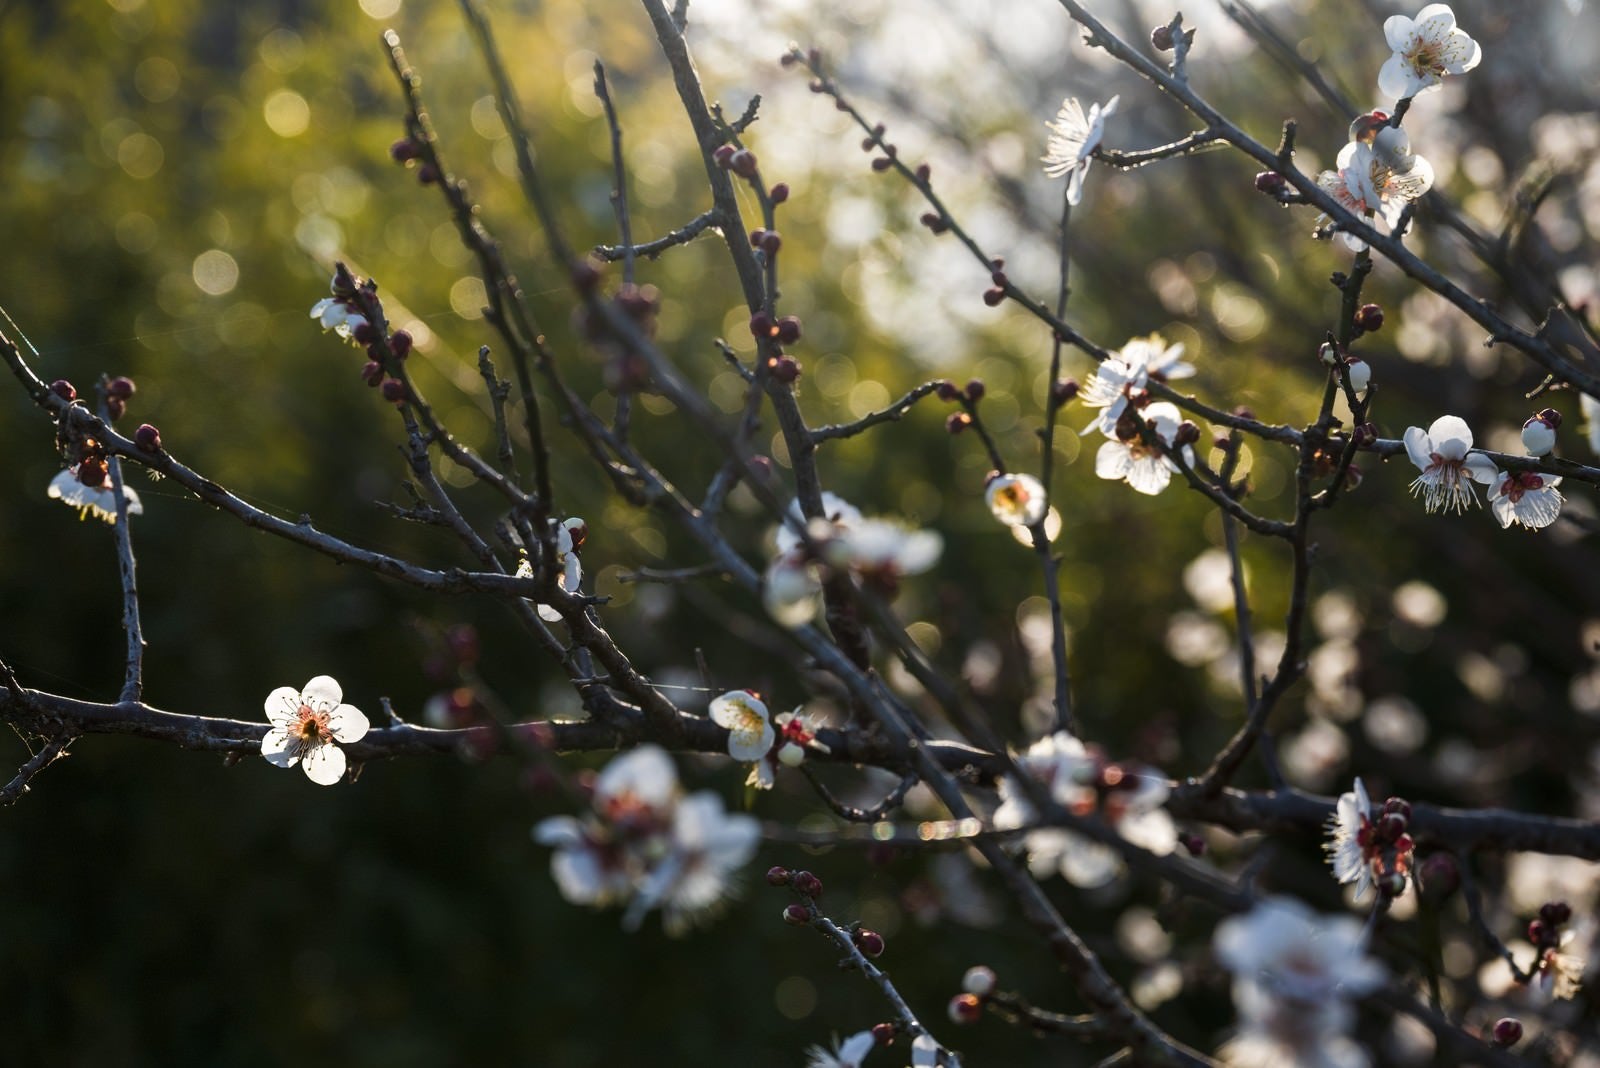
179, 178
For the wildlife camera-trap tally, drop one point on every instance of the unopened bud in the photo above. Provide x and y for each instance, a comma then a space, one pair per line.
1358, 373
778, 875
400, 344
924, 172
1328, 353
976, 389
1161, 38
957, 422
796, 915
1366, 127
1397, 806
1507, 1032
743, 163
372, 372
882, 163
1063, 390
64, 389
393, 390
993, 296
1187, 434
147, 438
1539, 435
427, 174
1369, 317
1555, 913
807, 884
784, 368
947, 390
1438, 877
778, 193
870, 943
789, 329
723, 156
121, 387
1271, 182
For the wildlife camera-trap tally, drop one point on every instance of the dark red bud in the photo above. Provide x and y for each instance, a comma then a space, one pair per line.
870, 943
762, 326
771, 242
93, 472
1538, 931
807, 884
882, 163
1161, 38
1555, 913
1063, 390
1391, 826
394, 390
796, 915
957, 422
427, 174
779, 193
1550, 418
994, 296
789, 329
586, 276
64, 389
1187, 434
400, 344
372, 373
121, 387
1438, 877
778, 875
1271, 182
784, 368
946, 390
924, 172
1397, 806
147, 438
365, 333
1369, 317
743, 163
404, 150
1507, 1032
723, 156
976, 389
756, 236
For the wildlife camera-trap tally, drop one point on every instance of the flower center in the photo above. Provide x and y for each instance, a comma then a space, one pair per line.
313, 728
1427, 57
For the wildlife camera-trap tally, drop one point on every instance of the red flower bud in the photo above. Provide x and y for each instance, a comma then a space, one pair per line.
147, 438
393, 390
1507, 1031
870, 943
1271, 183
784, 368
723, 156
428, 174
976, 389
1161, 38
796, 915
994, 296
64, 389
1369, 317
779, 193
957, 422
400, 344
121, 387
882, 163
778, 875
789, 329
807, 884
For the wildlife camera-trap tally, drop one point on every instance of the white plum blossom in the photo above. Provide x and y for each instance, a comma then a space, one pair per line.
1128, 798
99, 501
1349, 834
1015, 500
1442, 453
750, 732
1133, 365
1557, 974
1591, 420
846, 1054
645, 844
792, 590
1358, 373
1426, 49
1525, 497
305, 725
1377, 179
569, 570
1144, 467
706, 846
839, 513
1294, 974
881, 550
1074, 137
337, 315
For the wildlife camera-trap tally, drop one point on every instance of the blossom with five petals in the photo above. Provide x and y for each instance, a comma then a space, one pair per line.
1133, 365
1525, 497
750, 731
1074, 137
1377, 179
1442, 453
306, 724
1426, 49
1143, 466
1015, 500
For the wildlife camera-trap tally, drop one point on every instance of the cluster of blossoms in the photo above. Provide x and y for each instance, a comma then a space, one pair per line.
1128, 797
1378, 174
761, 740
1129, 420
1556, 972
305, 725
1449, 468
1370, 854
878, 552
85, 484
648, 845
1294, 975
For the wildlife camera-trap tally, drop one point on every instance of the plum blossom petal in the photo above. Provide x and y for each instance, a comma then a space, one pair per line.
1074, 137
750, 730
1426, 49
846, 1054
306, 724
1442, 453
1525, 497
1015, 500
99, 500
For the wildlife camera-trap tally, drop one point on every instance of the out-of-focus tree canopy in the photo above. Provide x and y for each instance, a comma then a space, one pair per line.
180, 178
